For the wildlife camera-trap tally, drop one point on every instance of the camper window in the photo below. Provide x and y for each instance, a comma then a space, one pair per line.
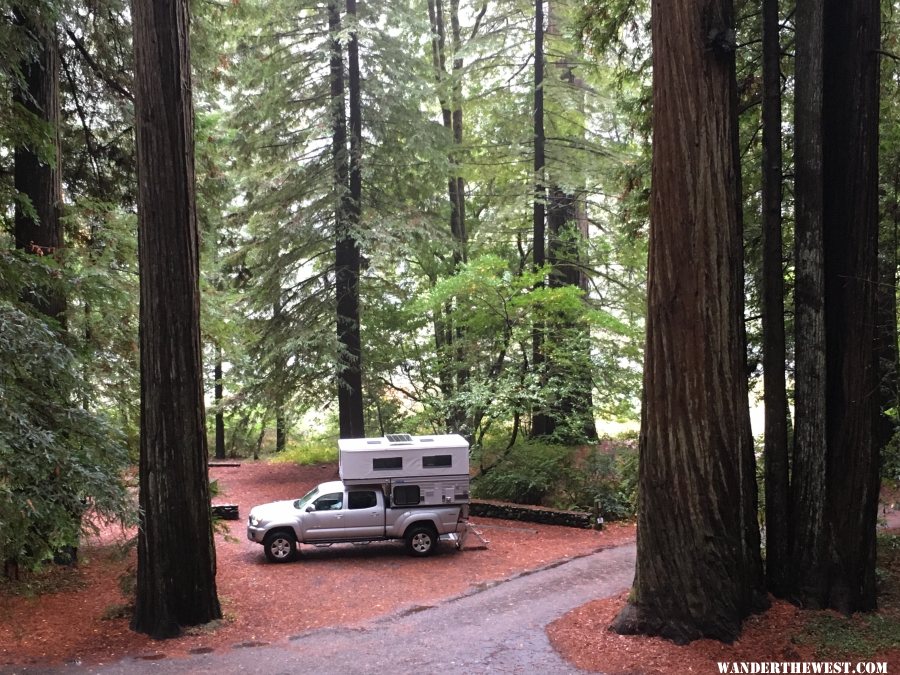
437, 461
387, 463
407, 495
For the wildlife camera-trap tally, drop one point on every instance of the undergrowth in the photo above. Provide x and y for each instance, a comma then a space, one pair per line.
863, 635
562, 476
308, 452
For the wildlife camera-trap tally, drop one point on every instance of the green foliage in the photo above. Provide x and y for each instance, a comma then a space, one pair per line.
857, 636
863, 635
608, 479
495, 306
527, 474
563, 477
308, 451
57, 460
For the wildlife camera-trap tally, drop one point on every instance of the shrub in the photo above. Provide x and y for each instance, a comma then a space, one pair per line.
527, 474
565, 477
56, 459
608, 478
305, 451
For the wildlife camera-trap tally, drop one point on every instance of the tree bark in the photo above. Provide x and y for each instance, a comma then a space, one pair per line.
808, 497
37, 164
775, 394
218, 393
886, 341
836, 481
541, 423
280, 431
571, 415
850, 125
698, 571
567, 231
176, 577
449, 339
348, 191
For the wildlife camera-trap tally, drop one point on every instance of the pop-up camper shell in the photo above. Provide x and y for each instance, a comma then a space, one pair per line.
439, 465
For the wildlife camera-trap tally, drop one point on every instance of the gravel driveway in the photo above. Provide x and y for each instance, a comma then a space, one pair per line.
498, 628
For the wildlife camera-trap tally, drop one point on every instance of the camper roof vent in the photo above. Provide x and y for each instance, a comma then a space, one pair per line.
399, 438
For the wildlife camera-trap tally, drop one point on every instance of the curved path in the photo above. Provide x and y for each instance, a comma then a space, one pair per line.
494, 629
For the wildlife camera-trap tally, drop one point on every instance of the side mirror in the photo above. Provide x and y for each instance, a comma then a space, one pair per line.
310, 508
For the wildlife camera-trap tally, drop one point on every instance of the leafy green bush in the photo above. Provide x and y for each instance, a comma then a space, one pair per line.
607, 476
528, 474
304, 451
57, 460
566, 477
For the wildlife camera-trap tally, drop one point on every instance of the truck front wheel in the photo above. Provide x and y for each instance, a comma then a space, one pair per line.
421, 540
280, 547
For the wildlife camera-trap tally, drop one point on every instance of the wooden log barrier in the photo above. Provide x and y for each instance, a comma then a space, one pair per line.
531, 514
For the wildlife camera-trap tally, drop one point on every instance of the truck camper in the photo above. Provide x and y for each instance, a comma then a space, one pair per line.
414, 488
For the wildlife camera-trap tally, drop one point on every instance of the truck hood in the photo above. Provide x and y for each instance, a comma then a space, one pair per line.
275, 511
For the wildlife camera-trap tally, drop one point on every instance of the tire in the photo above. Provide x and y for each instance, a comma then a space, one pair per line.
421, 540
280, 546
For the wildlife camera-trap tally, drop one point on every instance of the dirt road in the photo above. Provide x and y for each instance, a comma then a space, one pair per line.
498, 628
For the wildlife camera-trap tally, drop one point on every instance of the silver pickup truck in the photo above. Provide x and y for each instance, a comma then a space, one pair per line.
335, 512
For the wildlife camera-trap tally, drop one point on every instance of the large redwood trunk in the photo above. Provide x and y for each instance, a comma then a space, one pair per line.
835, 482
808, 477
850, 127
176, 577
699, 572
348, 191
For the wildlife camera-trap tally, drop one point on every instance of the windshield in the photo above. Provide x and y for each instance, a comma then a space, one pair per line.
307, 498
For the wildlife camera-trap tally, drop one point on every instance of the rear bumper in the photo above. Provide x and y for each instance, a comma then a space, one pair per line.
459, 537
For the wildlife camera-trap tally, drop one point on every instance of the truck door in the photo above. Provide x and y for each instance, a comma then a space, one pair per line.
326, 520
364, 515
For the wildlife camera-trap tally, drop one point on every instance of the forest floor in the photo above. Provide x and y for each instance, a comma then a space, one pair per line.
784, 633
80, 615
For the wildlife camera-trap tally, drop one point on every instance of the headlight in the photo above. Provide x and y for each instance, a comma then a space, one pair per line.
254, 521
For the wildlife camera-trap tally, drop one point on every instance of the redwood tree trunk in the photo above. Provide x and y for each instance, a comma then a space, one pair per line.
850, 125
541, 422
348, 189
567, 226
572, 414
218, 393
280, 430
176, 576
808, 477
448, 337
698, 571
835, 487
775, 396
37, 166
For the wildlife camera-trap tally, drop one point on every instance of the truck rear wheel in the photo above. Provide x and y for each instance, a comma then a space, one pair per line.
421, 540
280, 546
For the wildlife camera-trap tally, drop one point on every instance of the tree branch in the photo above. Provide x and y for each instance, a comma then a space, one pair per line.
110, 82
